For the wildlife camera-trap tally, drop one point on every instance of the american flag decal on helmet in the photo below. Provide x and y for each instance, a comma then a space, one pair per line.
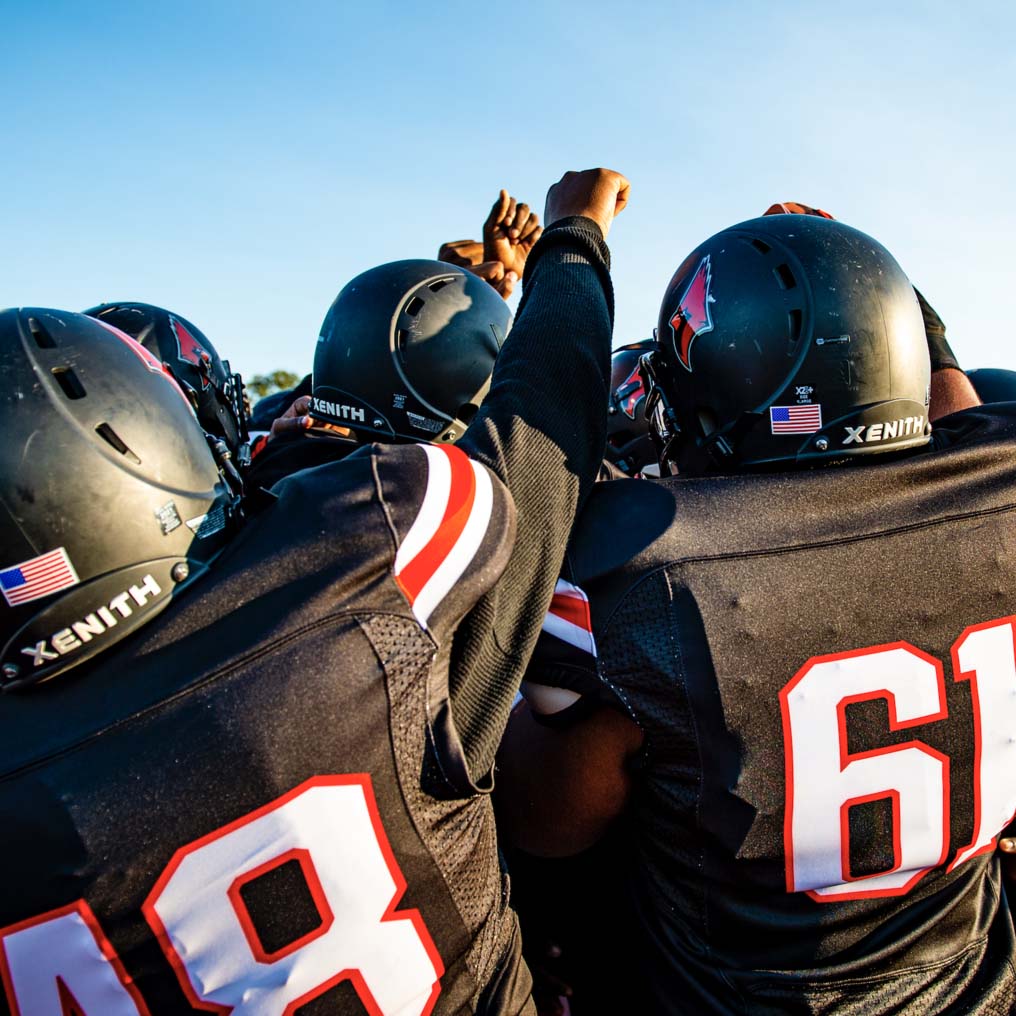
40, 576
447, 531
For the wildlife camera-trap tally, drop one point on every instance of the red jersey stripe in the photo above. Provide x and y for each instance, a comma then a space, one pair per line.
461, 495
573, 608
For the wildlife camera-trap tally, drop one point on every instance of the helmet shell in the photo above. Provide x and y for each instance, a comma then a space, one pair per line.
406, 351
104, 462
629, 446
216, 392
790, 338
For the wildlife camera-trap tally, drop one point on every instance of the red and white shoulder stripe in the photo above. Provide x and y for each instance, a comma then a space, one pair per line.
447, 531
569, 625
568, 617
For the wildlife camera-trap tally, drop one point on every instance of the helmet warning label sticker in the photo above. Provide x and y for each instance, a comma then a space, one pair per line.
203, 526
38, 577
801, 419
424, 423
168, 518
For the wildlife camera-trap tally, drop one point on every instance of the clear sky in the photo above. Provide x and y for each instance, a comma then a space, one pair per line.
238, 162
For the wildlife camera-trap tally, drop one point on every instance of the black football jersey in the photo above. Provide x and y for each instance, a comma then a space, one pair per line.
823, 665
259, 802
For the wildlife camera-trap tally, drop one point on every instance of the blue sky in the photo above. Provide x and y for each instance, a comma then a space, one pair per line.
239, 162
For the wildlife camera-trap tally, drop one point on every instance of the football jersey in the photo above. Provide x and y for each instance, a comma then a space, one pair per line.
259, 803
823, 667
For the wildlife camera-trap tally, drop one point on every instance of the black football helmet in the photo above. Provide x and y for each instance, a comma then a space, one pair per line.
406, 352
787, 339
629, 446
216, 392
994, 384
113, 498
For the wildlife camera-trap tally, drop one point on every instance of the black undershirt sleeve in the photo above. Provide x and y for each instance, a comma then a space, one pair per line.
542, 430
939, 350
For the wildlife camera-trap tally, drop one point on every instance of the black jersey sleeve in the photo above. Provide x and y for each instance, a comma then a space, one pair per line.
541, 431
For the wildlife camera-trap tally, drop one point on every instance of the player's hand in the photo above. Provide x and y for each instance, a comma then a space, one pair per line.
296, 420
463, 253
494, 273
794, 208
509, 233
293, 420
598, 194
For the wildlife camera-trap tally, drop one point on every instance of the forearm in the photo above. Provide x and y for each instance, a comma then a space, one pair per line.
542, 429
951, 391
551, 377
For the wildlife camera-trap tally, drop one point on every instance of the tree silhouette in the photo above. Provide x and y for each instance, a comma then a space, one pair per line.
261, 385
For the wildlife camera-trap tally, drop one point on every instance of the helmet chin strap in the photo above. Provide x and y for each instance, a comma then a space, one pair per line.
224, 460
663, 426
456, 428
722, 445
716, 451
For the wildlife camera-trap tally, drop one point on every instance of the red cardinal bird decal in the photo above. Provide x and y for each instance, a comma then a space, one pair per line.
692, 317
192, 351
630, 393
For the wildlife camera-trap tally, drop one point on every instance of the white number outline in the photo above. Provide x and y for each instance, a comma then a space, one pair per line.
351, 974
846, 758
103, 944
991, 678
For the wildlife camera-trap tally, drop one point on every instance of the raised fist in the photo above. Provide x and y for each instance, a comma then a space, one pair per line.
598, 194
509, 233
